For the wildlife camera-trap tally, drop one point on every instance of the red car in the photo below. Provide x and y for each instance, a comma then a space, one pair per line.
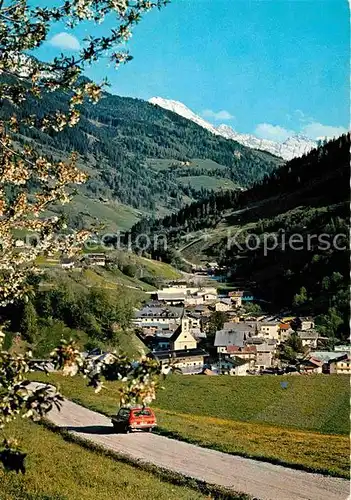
129, 419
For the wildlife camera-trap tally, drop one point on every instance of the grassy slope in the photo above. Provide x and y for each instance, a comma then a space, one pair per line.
304, 425
116, 217
165, 164
70, 472
207, 182
102, 277
160, 269
149, 266
112, 280
117, 284
196, 180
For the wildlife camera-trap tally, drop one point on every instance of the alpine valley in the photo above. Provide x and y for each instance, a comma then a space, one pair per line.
141, 159
308, 198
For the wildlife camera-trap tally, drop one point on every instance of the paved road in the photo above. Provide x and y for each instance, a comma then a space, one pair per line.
262, 480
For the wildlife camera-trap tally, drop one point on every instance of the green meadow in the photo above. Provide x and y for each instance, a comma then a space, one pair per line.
305, 425
61, 470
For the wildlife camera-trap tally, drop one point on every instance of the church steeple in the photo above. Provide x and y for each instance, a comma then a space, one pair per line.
185, 323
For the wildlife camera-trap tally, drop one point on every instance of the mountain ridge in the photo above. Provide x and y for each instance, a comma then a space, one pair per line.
295, 146
139, 156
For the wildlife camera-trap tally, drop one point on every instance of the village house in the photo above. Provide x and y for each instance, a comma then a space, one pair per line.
223, 305
187, 295
198, 334
231, 366
196, 324
210, 297
310, 338
156, 336
233, 324
341, 366
188, 361
188, 290
202, 310
238, 334
236, 297
159, 342
311, 365
246, 353
226, 338
269, 329
94, 259
155, 328
264, 355
303, 323
67, 263
328, 358
194, 299
162, 315
285, 331
194, 318
171, 298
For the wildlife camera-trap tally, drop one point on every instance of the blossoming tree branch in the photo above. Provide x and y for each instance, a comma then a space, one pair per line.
24, 28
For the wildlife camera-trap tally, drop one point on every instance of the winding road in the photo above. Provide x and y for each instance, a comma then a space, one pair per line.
261, 480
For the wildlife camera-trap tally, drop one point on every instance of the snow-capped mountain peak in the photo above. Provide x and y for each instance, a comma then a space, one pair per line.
294, 146
182, 110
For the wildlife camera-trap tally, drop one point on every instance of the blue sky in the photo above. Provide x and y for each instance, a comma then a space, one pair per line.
270, 67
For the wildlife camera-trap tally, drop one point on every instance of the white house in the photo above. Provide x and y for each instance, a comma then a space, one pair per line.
231, 366
303, 323
67, 263
247, 353
341, 366
264, 355
269, 329
161, 315
236, 297
195, 299
210, 296
224, 305
188, 361
310, 338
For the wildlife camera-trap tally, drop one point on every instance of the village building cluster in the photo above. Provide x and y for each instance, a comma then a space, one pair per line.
174, 325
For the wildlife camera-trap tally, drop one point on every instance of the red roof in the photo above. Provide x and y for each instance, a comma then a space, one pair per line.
315, 361
244, 350
284, 326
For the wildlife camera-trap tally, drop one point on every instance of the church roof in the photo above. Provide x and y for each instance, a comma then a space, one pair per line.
178, 331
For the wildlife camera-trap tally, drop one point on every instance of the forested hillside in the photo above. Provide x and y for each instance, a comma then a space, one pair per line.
308, 197
312, 180
140, 155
